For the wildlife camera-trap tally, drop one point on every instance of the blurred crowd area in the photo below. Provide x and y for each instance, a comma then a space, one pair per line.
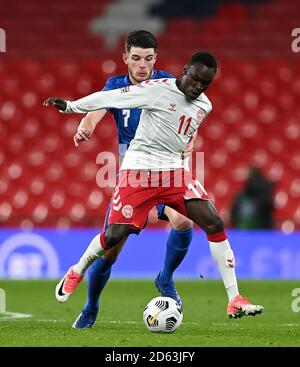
70, 48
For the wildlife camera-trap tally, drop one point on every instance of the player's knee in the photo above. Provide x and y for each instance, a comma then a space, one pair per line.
178, 221
111, 240
113, 253
215, 225
182, 223
114, 235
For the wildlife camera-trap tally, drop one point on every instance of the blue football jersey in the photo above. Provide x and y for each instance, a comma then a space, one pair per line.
127, 120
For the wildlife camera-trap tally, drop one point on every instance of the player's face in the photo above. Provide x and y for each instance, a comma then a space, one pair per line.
140, 62
196, 80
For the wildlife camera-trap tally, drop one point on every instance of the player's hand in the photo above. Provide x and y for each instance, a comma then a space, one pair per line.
188, 150
56, 102
81, 135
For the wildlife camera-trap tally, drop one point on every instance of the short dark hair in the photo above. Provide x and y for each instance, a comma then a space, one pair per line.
143, 39
204, 58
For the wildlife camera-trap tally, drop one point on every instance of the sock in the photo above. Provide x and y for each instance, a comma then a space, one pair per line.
177, 246
98, 276
223, 256
95, 249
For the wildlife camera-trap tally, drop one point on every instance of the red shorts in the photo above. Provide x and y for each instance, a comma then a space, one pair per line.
138, 191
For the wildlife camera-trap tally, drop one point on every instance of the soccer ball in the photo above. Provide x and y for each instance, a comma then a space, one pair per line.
162, 315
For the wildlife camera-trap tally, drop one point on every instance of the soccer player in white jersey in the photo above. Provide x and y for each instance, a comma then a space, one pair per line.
140, 57
152, 171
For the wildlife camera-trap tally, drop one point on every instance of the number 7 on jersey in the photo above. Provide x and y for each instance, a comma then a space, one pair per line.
126, 115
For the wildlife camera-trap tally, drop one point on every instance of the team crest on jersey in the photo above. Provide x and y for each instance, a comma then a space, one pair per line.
127, 211
200, 115
172, 107
125, 89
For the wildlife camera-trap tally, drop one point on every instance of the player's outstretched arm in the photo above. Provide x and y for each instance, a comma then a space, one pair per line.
57, 102
139, 97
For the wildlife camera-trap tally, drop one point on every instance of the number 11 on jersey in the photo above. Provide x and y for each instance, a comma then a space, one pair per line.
184, 124
126, 115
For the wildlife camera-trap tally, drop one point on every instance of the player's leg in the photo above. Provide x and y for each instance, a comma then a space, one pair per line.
98, 275
132, 217
114, 234
204, 213
178, 243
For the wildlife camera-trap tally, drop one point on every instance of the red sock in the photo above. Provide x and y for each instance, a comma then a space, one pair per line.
217, 237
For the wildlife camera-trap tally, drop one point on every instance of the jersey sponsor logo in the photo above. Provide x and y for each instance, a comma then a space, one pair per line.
172, 107
200, 115
125, 89
127, 211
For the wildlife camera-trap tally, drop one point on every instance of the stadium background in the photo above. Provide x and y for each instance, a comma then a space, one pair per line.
50, 204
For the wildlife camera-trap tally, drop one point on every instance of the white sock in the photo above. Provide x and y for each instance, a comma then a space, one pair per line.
223, 256
91, 254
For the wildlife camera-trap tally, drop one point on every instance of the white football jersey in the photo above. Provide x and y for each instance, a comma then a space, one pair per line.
167, 122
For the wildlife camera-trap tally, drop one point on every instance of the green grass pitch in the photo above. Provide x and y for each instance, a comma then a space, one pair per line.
120, 322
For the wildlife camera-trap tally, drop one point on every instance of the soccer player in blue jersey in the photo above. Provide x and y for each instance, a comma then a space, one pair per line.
140, 56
